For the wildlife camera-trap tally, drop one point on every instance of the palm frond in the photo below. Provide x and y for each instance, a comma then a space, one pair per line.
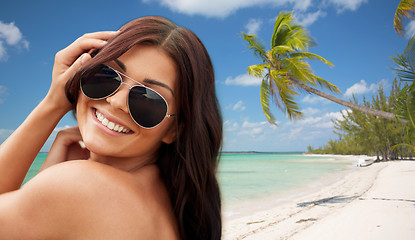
286, 95
281, 50
265, 103
301, 71
405, 104
298, 69
410, 53
299, 38
281, 31
311, 56
257, 70
325, 84
406, 8
284, 65
255, 45
410, 107
403, 69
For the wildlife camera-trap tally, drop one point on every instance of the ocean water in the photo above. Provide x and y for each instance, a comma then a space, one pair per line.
36, 165
247, 176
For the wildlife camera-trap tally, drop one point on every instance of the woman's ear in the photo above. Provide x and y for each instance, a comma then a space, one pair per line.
172, 134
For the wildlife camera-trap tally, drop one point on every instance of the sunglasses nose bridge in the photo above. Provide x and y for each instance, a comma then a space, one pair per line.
129, 86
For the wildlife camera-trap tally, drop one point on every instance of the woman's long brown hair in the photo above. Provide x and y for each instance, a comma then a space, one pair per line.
189, 164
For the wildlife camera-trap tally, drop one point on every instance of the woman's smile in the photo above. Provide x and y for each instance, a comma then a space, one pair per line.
110, 125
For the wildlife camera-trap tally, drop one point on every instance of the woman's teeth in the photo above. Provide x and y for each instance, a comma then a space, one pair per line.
112, 126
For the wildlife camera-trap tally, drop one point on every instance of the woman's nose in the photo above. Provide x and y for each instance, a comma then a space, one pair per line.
119, 98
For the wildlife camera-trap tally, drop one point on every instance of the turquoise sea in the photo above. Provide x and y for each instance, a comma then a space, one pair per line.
246, 176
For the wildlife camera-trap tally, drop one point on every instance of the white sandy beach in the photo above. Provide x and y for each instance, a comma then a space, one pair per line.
375, 202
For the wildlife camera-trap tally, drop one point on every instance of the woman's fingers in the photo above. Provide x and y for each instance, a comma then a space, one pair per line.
76, 65
69, 60
66, 147
82, 45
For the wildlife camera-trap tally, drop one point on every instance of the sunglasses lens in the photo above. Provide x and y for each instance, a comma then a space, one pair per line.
147, 107
100, 82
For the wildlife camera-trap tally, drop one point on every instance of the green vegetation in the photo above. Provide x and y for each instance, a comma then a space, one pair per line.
361, 133
364, 134
284, 70
406, 8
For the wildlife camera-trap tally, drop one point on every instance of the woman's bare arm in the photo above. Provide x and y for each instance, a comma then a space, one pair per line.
20, 149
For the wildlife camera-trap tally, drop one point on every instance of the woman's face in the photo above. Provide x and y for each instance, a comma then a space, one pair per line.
150, 66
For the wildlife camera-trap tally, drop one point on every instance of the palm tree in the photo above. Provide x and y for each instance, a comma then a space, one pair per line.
284, 70
406, 8
405, 104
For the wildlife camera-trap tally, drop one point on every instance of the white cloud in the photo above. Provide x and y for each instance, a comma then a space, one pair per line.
321, 121
314, 99
295, 132
253, 26
252, 131
253, 134
239, 106
301, 5
243, 80
255, 130
230, 126
241, 133
310, 111
222, 9
287, 136
11, 35
3, 52
360, 88
410, 29
343, 5
247, 124
306, 19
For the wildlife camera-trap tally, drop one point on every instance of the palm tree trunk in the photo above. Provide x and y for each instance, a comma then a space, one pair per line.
374, 112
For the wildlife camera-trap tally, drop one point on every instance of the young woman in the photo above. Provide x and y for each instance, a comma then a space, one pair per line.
141, 163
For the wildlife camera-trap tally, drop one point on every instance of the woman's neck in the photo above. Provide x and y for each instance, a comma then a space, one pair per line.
127, 164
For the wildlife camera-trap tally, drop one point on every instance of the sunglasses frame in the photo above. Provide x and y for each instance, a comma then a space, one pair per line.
121, 75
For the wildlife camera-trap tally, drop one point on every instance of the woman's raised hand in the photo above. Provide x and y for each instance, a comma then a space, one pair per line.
68, 61
20, 149
67, 146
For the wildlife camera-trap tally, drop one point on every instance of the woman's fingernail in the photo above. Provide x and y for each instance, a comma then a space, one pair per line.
81, 144
83, 58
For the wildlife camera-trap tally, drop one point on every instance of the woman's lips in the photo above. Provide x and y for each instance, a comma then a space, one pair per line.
111, 125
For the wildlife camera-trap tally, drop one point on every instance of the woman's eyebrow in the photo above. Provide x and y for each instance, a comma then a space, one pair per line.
154, 82
148, 81
121, 65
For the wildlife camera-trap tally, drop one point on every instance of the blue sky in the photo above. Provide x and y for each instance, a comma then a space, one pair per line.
356, 35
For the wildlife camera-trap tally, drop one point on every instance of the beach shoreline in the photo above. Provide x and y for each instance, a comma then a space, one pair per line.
318, 212
247, 206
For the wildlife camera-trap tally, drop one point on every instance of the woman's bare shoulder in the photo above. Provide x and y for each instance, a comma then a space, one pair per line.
78, 193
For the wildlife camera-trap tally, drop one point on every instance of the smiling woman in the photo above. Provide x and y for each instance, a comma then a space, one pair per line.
150, 129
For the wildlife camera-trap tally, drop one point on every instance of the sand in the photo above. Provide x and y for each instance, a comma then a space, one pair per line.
375, 202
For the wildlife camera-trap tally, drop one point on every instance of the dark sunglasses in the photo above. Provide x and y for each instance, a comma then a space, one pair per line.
146, 106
